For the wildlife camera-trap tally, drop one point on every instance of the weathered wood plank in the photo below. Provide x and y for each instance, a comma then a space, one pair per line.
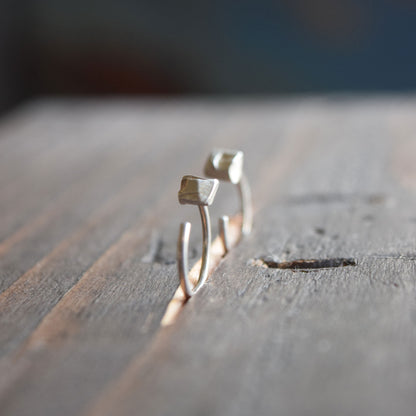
82, 331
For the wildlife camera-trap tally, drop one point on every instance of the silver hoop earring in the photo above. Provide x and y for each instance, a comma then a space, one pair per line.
200, 192
227, 165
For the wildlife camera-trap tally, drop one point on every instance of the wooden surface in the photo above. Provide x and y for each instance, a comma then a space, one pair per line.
313, 314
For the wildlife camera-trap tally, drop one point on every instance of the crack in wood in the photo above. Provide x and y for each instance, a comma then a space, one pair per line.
155, 253
305, 264
155, 246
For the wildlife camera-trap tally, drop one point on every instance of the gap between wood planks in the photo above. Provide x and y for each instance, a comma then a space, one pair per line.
217, 253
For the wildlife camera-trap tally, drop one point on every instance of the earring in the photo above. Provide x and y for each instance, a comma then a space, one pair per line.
227, 165
201, 192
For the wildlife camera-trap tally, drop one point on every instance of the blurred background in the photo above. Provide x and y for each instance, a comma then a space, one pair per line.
155, 47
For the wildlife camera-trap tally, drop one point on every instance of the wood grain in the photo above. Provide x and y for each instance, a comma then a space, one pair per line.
80, 322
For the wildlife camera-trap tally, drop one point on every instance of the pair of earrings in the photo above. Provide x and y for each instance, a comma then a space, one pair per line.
225, 165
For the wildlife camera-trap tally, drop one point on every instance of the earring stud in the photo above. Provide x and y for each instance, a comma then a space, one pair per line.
200, 192
227, 165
